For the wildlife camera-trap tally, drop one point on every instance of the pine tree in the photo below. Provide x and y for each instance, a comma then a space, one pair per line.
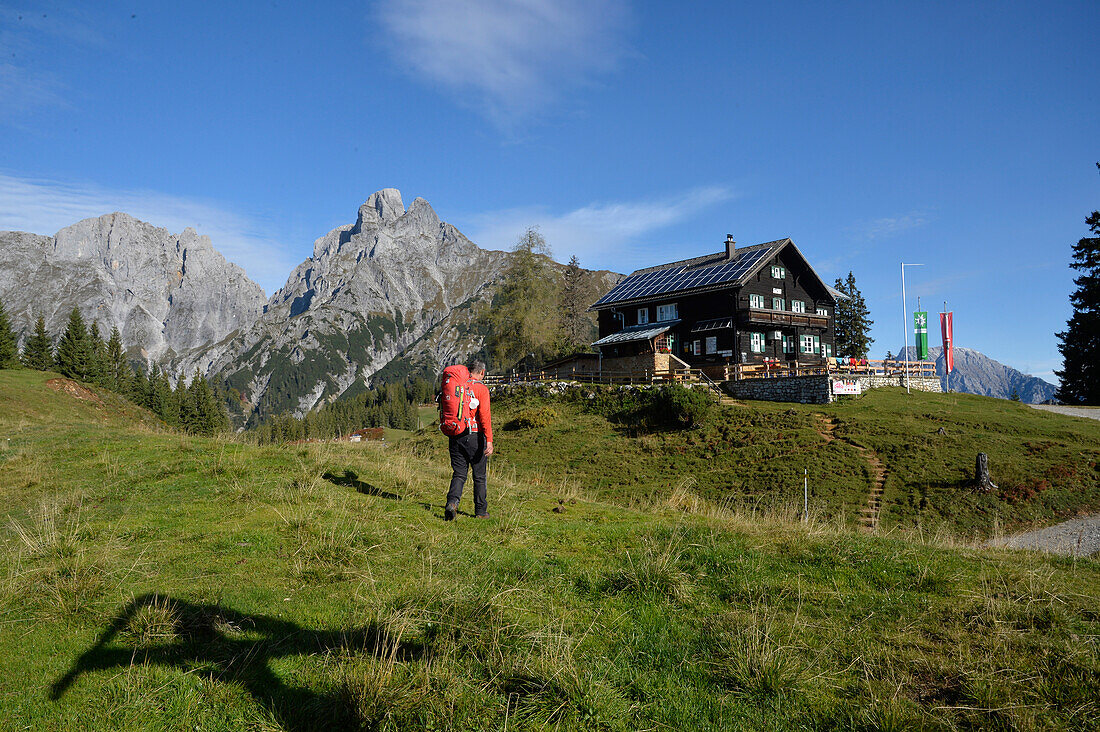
1080, 342
852, 321
210, 415
577, 325
97, 357
38, 350
9, 351
188, 416
166, 399
117, 369
73, 350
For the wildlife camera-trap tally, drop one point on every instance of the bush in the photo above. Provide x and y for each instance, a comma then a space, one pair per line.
667, 407
532, 418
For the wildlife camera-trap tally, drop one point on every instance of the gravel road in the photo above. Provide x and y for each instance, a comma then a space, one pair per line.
1076, 537
1071, 411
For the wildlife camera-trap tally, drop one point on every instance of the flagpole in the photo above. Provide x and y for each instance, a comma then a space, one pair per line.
943, 327
905, 321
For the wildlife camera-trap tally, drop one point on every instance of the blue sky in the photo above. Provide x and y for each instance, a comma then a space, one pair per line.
961, 136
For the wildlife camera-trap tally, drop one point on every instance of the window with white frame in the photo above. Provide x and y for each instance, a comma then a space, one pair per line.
798, 306
756, 301
826, 350
667, 312
756, 342
823, 311
778, 272
810, 343
788, 344
778, 303
643, 316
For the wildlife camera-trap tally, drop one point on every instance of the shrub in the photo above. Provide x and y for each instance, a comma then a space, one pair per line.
532, 418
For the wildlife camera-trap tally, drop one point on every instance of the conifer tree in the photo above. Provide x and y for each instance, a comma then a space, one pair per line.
9, 352
73, 350
139, 387
115, 364
577, 327
166, 399
188, 416
154, 396
852, 321
1080, 341
97, 357
209, 416
38, 350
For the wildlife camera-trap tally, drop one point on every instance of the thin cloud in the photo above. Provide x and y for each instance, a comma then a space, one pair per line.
601, 235
46, 206
506, 58
888, 226
25, 36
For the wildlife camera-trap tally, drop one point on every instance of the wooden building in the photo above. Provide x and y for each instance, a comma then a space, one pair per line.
743, 305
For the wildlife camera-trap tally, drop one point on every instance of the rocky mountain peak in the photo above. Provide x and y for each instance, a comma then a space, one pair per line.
383, 207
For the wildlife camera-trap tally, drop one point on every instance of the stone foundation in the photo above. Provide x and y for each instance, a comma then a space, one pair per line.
818, 389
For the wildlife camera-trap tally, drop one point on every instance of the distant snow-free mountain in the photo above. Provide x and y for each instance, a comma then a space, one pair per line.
977, 373
395, 293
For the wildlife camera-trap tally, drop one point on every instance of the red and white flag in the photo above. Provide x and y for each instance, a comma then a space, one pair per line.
945, 329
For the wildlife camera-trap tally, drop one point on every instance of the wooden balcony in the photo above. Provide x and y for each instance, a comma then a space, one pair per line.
761, 316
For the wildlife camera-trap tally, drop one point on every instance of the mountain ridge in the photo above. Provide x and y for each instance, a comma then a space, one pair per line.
976, 373
168, 294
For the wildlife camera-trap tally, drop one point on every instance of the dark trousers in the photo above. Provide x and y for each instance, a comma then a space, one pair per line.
468, 453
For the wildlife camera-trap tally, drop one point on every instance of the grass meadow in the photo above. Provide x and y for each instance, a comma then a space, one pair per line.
150, 580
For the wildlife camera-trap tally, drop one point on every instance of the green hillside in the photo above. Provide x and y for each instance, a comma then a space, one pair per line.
156, 581
752, 457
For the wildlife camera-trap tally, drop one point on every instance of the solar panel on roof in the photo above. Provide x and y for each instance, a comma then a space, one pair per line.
673, 279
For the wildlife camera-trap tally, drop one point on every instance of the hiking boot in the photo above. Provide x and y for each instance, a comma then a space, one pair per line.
450, 511
481, 515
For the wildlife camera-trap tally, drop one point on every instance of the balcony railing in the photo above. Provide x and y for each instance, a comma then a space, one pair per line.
763, 316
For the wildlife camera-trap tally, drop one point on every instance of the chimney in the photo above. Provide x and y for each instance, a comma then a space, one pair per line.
731, 247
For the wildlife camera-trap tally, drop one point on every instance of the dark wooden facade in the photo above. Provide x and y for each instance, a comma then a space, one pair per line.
748, 321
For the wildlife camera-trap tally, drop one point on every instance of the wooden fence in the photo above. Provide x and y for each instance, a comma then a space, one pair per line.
726, 372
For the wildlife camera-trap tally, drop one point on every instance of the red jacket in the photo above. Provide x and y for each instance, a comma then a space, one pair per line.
483, 421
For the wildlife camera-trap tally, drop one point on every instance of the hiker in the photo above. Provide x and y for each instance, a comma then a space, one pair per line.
470, 430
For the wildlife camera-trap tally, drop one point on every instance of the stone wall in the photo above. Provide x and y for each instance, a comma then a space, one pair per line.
803, 389
645, 363
919, 383
818, 389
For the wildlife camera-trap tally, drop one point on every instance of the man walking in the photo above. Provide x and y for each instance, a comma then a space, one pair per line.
470, 451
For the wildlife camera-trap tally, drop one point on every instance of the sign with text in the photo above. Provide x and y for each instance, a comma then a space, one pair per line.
846, 386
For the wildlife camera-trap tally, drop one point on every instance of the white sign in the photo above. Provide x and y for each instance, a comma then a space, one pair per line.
725, 353
777, 290
846, 386
712, 344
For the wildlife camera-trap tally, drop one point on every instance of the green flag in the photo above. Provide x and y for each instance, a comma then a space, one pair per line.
920, 327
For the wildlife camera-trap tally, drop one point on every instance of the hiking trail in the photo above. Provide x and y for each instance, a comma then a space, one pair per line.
869, 514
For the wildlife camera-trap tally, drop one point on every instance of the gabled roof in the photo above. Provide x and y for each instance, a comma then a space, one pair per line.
699, 274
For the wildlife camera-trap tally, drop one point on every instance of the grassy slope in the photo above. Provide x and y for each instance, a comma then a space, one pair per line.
235, 587
753, 456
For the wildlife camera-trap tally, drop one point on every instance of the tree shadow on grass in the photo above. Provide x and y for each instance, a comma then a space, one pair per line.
231, 646
350, 479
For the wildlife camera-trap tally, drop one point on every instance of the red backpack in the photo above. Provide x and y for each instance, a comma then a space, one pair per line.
455, 394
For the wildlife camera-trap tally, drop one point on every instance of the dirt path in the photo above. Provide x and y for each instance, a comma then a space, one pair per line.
1079, 537
869, 515
1070, 411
